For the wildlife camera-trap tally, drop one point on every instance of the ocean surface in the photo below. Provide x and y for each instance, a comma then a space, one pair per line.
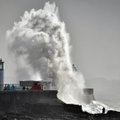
112, 104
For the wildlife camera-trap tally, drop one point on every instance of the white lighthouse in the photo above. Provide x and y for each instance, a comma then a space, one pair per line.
1, 74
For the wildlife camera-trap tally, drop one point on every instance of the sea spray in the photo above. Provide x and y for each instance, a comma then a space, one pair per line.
41, 47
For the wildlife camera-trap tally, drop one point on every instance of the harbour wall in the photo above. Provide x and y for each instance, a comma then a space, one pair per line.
16, 100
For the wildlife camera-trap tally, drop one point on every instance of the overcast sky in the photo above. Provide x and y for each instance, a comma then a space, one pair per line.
94, 27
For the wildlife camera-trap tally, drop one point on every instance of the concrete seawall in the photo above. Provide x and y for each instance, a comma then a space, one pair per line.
15, 100
35, 104
43, 105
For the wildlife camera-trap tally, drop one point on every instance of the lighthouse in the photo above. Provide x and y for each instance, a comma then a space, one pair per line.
1, 74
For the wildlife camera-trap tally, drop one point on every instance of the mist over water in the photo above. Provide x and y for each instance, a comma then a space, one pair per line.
41, 47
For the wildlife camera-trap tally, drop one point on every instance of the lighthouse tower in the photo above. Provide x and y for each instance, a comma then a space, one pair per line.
1, 74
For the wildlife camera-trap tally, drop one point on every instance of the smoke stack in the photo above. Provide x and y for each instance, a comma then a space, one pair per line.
1, 74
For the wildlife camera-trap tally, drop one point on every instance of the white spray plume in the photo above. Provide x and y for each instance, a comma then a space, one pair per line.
41, 48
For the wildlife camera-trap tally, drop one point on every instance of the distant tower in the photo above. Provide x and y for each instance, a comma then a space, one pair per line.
1, 74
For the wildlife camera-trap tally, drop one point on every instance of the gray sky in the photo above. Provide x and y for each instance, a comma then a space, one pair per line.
94, 27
